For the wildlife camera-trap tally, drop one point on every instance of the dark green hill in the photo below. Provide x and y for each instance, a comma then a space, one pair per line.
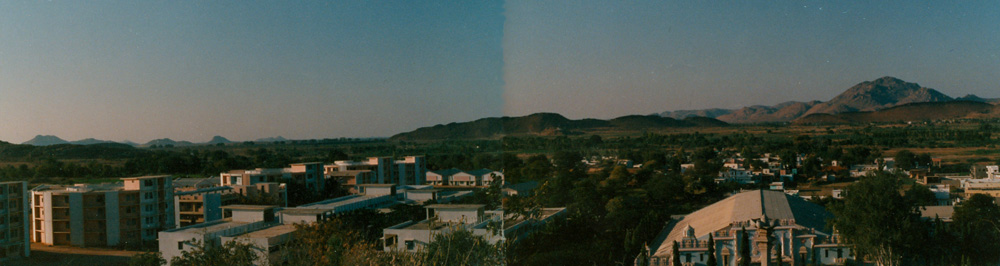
548, 124
22, 152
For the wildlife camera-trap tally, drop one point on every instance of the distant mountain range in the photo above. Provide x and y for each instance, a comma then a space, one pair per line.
549, 124
866, 96
927, 111
48, 140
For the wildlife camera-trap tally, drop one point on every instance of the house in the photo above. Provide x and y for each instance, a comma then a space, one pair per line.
777, 226
937, 212
456, 177
520, 189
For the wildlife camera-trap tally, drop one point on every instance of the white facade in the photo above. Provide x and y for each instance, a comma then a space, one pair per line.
413, 236
411, 170
253, 224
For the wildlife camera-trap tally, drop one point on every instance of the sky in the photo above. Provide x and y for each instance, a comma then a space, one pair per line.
189, 70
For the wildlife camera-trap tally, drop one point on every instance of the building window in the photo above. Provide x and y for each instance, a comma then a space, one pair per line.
687, 257
840, 253
410, 245
180, 245
148, 183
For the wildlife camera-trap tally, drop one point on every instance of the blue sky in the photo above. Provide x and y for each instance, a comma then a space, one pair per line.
252, 69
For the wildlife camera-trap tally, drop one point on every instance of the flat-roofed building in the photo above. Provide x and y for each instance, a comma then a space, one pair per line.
254, 224
411, 170
375, 196
779, 227
194, 206
441, 218
308, 175
350, 179
14, 221
106, 214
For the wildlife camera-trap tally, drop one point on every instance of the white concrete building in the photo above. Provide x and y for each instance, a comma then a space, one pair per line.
441, 218
411, 170
375, 196
308, 175
412, 236
253, 224
14, 221
102, 214
194, 206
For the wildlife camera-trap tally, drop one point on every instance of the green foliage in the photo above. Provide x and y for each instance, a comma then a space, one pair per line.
147, 259
920, 195
711, 251
676, 258
744, 247
976, 223
235, 253
461, 247
879, 222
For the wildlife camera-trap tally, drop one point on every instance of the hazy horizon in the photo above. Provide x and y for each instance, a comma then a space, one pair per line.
312, 70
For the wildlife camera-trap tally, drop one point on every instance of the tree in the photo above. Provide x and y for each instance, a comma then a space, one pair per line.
976, 222
744, 247
921, 195
905, 159
879, 222
676, 254
711, 251
233, 253
147, 259
461, 247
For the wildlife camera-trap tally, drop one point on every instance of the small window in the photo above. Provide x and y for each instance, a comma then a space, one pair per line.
410, 245
180, 245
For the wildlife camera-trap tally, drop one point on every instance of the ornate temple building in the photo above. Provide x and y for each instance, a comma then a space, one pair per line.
766, 227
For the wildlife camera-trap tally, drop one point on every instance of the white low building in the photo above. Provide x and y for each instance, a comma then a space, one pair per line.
441, 219
374, 196
249, 223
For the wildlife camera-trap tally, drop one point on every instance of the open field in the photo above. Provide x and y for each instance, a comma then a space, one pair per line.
45, 255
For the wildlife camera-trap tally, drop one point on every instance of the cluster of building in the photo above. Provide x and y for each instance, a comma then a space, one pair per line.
180, 214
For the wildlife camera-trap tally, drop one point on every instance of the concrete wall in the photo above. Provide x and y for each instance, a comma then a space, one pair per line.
113, 220
168, 242
76, 219
459, 215
248, 216
420, 196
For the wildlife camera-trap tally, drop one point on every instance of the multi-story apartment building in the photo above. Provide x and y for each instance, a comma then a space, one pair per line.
102, 214
195, 206
308, 175
14, 225
411, 170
